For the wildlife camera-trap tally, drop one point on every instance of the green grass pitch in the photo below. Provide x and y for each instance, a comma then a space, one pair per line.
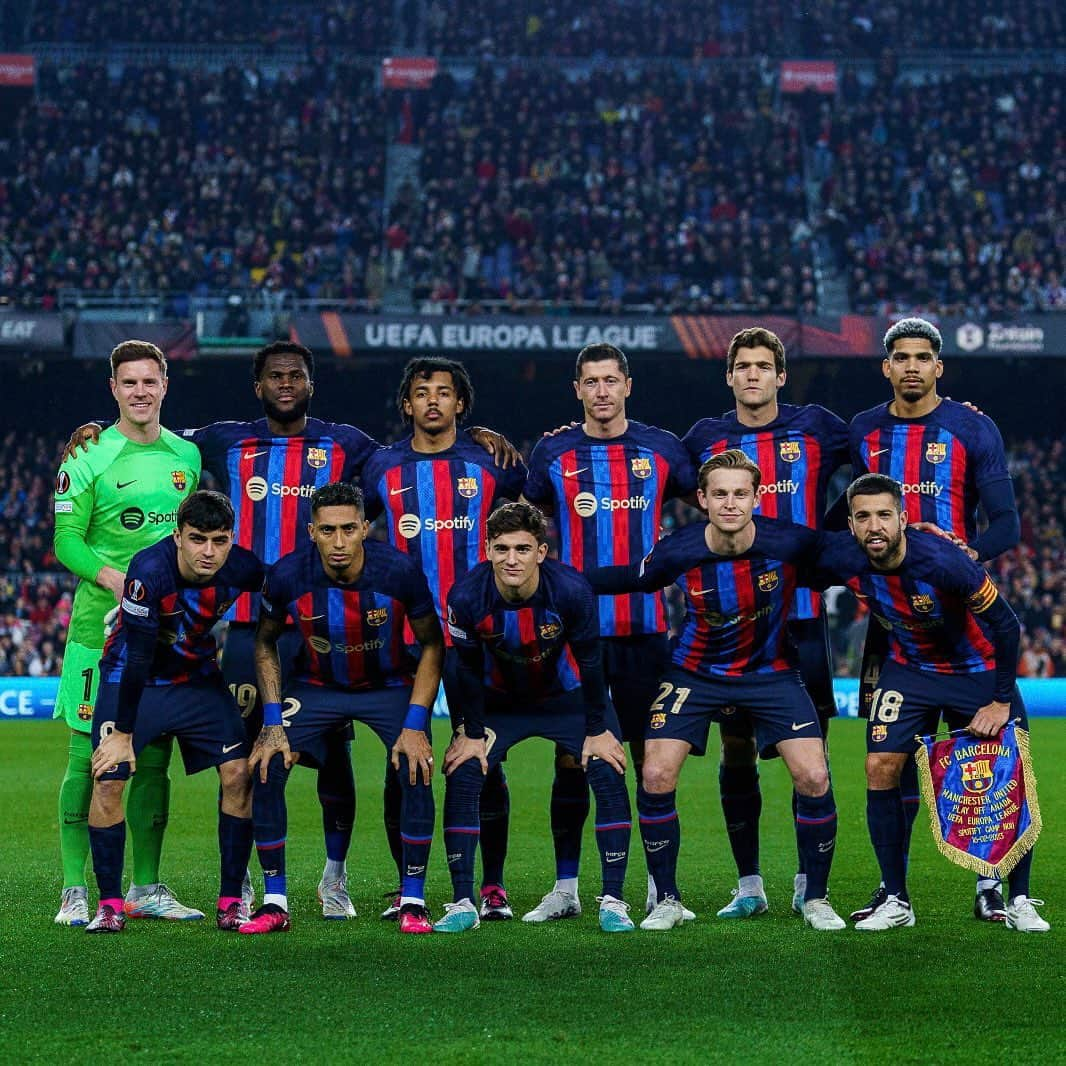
950, 990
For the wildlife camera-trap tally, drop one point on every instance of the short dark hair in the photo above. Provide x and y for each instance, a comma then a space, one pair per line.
875, 485
422, 368
206, 510
756, 337
283, 348
913, 327
731, 459
132, 351
338, 494
597, 353
518, 518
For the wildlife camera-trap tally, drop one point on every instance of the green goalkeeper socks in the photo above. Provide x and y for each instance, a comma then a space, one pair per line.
74, 796
147, 809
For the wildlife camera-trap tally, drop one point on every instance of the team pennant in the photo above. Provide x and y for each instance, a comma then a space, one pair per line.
981, 796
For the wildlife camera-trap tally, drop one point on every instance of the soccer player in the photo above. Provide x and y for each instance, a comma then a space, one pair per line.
437, 489
526, 633
739, 575
351, 599
160, 678
122, 498
953, 649
797, 450
606, 481
949, 459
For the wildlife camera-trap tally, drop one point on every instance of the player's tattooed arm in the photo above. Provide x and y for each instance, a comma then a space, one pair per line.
497, 445
81, 438
272, 739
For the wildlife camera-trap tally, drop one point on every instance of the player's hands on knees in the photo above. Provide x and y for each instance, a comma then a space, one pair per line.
81, 438
989, 720
270, 742
415, 745
463, 749
607, 747
113, 749
932, 527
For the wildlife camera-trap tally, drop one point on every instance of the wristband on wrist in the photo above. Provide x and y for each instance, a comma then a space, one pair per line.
417, 717
272, 714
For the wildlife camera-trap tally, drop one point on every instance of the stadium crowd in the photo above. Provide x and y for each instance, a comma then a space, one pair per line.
947, 196
36, 592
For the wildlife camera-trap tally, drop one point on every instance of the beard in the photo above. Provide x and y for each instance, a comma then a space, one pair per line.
294, 414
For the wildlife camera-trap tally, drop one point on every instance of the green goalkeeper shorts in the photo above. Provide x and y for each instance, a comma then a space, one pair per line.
78, 685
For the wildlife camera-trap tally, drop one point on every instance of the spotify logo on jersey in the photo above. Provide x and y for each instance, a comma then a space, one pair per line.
132, 518
585, 504
410, 525
323, 647
256, 487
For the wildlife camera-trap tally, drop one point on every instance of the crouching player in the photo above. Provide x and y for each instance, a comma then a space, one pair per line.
526, 631
739, 575
952, 648
159, 678
349, 597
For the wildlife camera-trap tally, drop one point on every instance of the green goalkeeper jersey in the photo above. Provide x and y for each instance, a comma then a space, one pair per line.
111, 502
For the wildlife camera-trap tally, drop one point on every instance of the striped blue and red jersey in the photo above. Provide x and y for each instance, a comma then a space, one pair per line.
436, 506
944, 460
177, 614
353, 633
607, 497
270, 480
736, 606
797, 454
531, 650
929, 605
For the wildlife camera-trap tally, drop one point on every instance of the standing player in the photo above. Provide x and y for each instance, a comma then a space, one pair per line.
160, 678
109, 506
437, 490
526, 633
739, 575
606, 481
949, 459
797, 450
351, 599
939, 609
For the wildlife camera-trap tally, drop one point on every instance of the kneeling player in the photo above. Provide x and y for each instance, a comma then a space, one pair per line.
940, 609
739, 575
526, 631
159, 678
350, 598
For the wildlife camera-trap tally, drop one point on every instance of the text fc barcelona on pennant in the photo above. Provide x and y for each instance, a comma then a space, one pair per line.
981, 795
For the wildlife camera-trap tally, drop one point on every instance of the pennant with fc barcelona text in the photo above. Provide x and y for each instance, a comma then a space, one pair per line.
981, 795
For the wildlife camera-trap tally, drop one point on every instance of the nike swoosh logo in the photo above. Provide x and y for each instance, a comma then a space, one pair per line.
574, 473
880, 451
701, 592
253, 455
226, 750
311, 617
619, 859
658, 847
125, 484
396, 492
802, 725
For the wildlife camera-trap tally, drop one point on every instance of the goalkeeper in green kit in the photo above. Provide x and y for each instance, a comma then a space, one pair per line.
121, 497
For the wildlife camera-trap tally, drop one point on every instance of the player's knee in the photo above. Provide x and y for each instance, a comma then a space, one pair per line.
659, 777
738, 751
107, 797
236, 781
883, 771
812, 781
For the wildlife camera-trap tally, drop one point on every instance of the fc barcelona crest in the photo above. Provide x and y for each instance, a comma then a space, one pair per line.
466, 487
178, 479
977, 776
317, 457
879, 733
789, 450
769, 581
936, 452
641, 467
378, 616
550, 630
922, 603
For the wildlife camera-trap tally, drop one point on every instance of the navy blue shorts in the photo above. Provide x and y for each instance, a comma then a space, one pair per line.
561, 719
632, 668
908, 703
776, 704
199, 714
312, 714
